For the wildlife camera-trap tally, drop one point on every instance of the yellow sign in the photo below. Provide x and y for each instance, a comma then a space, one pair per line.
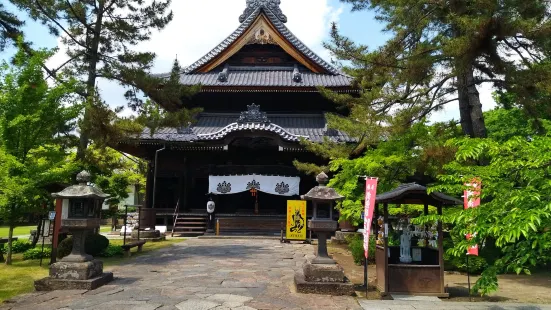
296, 220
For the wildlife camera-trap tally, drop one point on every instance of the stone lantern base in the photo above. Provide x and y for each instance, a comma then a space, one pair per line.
74, 276
327, 279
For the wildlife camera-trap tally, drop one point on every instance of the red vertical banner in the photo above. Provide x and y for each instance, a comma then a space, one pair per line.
370, 195
471, 199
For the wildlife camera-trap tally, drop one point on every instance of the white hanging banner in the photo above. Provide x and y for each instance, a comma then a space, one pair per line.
233, 184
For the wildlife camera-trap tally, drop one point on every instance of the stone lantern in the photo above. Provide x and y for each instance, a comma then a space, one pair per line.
322, 275
323, 199
82, 205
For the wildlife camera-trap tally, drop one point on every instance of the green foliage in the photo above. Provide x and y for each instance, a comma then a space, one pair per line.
64, 247
101, 38
115, 173
20, 246
515, 211
440, 51
504, 124
37, 123
417, 154
477, 264
112, 251
94, 245
37, 253
356, 247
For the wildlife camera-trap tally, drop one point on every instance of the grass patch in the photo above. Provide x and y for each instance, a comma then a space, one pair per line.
19, 278
18, 231
105, 229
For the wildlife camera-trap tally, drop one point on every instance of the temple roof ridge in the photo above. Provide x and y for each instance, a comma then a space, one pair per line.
279, 25
266, 5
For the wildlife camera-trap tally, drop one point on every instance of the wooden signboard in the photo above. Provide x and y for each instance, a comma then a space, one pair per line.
296, 220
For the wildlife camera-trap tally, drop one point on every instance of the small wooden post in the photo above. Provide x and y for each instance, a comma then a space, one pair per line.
385, 234
441, 250
218, 227
125, 228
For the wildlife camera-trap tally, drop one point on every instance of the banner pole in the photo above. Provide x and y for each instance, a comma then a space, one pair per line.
469, 278
365, 278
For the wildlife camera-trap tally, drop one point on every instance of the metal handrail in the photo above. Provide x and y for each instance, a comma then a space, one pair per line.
175, 216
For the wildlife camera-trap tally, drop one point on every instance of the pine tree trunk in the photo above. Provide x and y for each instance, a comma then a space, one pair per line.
114, 218
10, 239
470, 107
92, 77
464, 110
38, 229
475, 106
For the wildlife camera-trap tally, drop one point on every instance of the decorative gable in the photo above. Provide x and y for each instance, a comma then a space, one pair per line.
261, 31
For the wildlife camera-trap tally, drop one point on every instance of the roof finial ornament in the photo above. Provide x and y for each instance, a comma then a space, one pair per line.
268, 5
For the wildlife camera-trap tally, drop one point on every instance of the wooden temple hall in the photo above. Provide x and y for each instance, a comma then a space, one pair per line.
260, 98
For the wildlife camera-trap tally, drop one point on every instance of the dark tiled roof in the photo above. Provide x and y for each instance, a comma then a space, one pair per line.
279, 25
215, 126
277, 77
414, 191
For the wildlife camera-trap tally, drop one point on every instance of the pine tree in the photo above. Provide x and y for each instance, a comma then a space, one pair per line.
100, 35
9, 27
440, 51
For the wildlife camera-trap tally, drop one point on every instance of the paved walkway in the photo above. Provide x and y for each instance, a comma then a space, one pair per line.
216, 274
423, 305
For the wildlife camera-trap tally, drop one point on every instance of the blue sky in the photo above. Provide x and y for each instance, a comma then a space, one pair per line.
198, 26
360, 26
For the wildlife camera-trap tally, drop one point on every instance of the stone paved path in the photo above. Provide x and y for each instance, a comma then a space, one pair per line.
423, 305
201, 274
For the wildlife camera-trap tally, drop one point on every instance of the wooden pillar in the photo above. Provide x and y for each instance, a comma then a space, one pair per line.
149, 186
185, 196
58, 215
385, 232
375, 220
441, 249
426, 210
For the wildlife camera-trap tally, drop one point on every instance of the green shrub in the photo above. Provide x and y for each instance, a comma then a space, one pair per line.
95, 244
356, 247
64, 247
477, 264
37, 253
112, 250
19, 246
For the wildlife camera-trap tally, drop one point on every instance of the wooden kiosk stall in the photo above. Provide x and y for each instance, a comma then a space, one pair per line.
423, 272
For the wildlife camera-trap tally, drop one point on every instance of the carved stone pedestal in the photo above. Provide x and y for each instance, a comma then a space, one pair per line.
325, 279
74, 276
